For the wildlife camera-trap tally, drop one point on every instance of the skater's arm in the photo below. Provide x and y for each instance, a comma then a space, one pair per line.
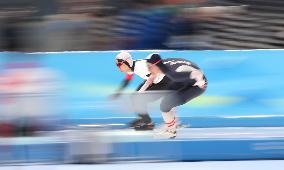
148, 83
123, 85
125, 82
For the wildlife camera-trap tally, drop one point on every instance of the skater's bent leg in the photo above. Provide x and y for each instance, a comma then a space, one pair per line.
140, 103
169, 104
142, 99
170, 118
179, 98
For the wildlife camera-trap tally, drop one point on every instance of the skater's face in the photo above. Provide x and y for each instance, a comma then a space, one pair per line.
154, 69
123, 67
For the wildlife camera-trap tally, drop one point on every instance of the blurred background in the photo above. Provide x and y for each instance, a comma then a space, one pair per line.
57, 70
86, 25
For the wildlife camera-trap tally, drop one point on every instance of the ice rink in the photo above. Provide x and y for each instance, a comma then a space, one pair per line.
215, 165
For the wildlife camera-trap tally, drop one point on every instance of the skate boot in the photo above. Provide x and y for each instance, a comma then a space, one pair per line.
166, 132
143, 122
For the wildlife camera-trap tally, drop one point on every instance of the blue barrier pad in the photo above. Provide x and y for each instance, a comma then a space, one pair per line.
205, 144
31, 150
191, 144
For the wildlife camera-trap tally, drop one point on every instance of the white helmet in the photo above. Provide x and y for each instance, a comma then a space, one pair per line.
124, 57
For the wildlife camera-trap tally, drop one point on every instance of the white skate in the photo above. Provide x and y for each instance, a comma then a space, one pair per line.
166, 132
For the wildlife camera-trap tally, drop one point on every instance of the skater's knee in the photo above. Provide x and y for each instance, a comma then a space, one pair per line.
168, 104
165, 108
